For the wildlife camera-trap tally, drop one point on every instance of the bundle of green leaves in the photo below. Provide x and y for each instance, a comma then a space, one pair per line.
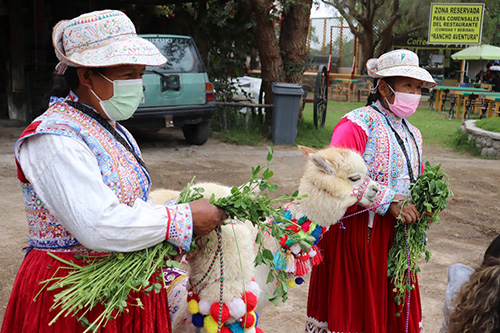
429, 194
108, 279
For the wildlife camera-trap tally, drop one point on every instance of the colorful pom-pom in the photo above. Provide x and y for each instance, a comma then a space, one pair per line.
312, 253
288, 214
295, 249
254, 288
191, 295
291, 283
299, 280
225, 329
249, 320
204, 307
312, 227
306, 226
317, 232
250, 330
210, 324
304, 256
258, 330
198, 320
283, 240
289, 242
193, 307
214, 312
235, 327
237, 308
302, 220
250, 300
279, 260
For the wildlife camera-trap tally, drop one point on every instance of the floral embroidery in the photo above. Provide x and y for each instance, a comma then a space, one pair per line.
180, 229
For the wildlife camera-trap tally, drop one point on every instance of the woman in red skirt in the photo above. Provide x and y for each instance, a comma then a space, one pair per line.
85, 185
350, 291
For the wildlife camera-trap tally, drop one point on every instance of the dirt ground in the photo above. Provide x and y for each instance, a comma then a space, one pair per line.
468, 224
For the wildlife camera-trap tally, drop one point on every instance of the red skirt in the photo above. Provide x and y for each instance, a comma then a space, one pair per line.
23, 314
350, 291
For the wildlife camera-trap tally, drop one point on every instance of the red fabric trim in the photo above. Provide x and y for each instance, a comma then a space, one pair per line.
31, 129
168, 223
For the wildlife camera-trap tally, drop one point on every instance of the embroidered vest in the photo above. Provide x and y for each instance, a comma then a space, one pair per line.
119, 169
383, 156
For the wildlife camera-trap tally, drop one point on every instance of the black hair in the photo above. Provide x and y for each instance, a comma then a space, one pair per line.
375, 95
493, 251
63, 83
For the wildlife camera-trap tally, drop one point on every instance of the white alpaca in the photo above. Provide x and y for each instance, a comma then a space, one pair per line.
333, 180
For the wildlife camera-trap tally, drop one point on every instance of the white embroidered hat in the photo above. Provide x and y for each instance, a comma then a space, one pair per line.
399, 63
102, 39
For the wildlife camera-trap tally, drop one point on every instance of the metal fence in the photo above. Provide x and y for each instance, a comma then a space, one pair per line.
333, 35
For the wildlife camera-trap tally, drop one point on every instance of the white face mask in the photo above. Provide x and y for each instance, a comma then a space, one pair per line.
127, 94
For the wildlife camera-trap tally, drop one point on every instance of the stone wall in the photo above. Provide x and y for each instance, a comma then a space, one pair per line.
488, 141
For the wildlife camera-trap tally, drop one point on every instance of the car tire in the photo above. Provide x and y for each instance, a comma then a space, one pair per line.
197, 134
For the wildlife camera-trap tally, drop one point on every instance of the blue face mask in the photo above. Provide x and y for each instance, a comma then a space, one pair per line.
127, 94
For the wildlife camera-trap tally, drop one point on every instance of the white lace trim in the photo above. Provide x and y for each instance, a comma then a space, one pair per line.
315, 326
358, 122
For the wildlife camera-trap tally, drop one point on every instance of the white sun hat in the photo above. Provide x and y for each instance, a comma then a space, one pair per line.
102, 39
399, 63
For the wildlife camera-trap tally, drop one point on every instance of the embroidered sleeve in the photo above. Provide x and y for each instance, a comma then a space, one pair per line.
384, 194
180, 225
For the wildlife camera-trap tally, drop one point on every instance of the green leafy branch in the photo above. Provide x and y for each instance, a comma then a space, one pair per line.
430, 195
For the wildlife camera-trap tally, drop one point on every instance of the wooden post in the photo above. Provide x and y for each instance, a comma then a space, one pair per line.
324, 37
340, 41
462, 71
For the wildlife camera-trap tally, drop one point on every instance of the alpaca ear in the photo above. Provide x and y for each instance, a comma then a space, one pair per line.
306, 151
322, 164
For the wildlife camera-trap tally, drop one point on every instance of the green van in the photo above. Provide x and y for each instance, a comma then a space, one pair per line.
177, 93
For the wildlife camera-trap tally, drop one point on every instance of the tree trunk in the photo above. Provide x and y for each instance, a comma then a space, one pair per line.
269, 52
293, 38
365, 48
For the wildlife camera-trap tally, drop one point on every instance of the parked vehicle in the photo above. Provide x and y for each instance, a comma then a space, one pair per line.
177, 93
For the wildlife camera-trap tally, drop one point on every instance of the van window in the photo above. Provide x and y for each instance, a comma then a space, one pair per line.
181, 54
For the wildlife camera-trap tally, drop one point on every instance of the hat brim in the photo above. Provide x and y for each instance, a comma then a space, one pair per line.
405, 71
124, 50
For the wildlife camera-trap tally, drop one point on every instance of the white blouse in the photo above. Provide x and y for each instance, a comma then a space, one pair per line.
65, 175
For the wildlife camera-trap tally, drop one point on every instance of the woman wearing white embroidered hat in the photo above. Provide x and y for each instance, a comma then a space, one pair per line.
84, 182
350, 291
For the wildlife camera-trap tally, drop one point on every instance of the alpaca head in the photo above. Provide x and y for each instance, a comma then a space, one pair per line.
334, 179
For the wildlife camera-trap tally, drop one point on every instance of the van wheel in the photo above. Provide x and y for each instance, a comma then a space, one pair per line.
197, 134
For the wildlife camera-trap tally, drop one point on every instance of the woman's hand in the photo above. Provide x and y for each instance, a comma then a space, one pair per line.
409, 213
205, 216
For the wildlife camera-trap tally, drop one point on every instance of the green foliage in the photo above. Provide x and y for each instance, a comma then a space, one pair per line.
489, 124
430, 195
461, 143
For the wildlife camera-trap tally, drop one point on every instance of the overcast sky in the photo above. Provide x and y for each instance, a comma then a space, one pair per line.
322, 10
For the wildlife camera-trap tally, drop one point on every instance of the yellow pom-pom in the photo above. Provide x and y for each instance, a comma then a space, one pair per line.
210, 325
193, 307
291, 283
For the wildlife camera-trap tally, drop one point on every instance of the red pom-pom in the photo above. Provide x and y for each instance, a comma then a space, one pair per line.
250, 300
301, 268
294, 227
248, 320
306, 226
283, 240
318, 258
258, 330
305, 256
214, 312
225, 329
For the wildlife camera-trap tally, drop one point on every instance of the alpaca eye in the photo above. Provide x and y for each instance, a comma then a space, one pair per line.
354, 178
